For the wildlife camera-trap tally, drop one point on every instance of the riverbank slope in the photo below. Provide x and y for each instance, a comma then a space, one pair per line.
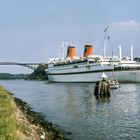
18, 122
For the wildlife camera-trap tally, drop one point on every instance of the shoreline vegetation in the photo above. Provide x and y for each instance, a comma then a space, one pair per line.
19, 122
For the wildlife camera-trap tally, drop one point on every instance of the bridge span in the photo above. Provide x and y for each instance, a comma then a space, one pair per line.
32, 66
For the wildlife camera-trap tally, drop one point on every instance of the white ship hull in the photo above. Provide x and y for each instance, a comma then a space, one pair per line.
121, 76
83, 73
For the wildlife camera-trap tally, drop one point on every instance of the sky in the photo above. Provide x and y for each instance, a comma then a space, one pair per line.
33, 30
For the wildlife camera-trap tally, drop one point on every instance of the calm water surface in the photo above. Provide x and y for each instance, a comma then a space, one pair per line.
74, 109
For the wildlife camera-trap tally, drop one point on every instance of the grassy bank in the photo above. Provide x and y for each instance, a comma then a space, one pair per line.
18, 122
8, 125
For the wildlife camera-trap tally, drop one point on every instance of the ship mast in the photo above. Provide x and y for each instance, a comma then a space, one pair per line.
120, 52
113, 72
106, 37
131, 52
63, 45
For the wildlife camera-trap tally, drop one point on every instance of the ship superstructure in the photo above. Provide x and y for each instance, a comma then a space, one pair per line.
89, 67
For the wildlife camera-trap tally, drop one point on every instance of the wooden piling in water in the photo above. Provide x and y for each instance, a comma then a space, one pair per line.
102, 88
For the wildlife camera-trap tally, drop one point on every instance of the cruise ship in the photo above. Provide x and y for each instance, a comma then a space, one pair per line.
90, 67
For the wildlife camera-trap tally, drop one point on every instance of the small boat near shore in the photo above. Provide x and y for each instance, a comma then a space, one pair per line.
113, 84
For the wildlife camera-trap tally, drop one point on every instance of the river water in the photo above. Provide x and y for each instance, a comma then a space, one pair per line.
73, 108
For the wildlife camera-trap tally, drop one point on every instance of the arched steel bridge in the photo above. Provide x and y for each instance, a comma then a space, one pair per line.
32, 66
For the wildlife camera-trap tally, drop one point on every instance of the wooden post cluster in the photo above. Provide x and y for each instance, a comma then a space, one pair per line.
102, 88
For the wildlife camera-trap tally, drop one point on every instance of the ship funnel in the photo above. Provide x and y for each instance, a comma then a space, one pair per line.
88, 50
71, 51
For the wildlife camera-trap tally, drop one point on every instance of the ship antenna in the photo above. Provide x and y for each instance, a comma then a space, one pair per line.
63, 45
106, 37
120, 52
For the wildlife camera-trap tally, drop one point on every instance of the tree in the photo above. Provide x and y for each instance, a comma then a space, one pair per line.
39, 73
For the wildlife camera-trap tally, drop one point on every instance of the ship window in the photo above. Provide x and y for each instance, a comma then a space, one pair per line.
75, 66
88, 66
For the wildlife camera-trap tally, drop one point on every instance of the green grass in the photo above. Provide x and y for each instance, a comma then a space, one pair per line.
11, 125
7, 116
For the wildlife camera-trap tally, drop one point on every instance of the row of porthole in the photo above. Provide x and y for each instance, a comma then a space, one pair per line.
76, 66
127, 68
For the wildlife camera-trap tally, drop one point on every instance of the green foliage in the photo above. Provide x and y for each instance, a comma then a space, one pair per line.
39, 73
13, 76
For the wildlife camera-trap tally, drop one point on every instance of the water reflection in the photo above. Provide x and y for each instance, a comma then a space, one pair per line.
103, 98
128, 99
80, 99
72, 103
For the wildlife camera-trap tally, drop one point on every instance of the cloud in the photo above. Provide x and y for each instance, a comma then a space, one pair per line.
130, 24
